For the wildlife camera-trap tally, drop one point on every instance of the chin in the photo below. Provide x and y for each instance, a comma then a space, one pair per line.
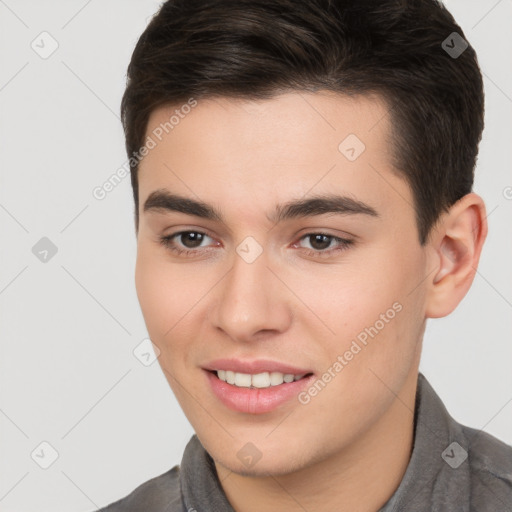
269, 468
271, 459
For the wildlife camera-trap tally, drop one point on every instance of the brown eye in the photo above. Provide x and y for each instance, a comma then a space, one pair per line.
185, 243
191, 239
319, 241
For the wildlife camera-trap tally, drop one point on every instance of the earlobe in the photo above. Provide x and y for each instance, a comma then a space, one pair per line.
457, 247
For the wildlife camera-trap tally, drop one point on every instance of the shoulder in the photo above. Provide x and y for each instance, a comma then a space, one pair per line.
490, 465
159, 494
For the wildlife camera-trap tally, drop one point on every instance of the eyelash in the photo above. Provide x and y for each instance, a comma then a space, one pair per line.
344, 244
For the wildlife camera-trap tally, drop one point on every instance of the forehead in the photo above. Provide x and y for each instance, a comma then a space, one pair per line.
320, 119
265, 151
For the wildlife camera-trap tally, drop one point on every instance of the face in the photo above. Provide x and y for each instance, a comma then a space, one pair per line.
277, 244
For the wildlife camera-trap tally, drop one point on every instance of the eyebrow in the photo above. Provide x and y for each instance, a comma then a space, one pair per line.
163, 201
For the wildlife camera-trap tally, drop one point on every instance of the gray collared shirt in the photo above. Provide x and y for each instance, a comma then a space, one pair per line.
453, 468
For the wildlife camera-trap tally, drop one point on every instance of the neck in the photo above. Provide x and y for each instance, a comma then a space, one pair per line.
360, 478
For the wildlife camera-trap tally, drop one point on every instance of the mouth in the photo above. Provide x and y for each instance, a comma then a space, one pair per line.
258, 390
261, 380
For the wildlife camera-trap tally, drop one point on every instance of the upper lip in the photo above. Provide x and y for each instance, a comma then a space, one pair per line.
254, 367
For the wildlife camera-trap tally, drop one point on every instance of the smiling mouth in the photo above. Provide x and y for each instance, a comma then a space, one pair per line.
258, 380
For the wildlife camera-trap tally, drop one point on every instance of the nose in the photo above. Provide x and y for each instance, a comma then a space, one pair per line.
251, 300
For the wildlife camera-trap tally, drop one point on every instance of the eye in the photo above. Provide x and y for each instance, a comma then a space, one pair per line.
319, 242
189, 240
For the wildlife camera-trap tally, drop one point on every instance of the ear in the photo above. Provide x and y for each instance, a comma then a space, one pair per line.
454, 249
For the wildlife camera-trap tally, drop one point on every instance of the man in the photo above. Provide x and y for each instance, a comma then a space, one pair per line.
302, 176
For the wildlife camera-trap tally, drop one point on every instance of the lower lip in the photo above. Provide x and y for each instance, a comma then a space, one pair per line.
255, 400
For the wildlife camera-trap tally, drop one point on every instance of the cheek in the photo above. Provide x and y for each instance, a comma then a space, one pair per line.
166, 293
173, 300
152, 296
345, 299
387, 317
368, 301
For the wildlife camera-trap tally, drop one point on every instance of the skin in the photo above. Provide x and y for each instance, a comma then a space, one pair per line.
348, 448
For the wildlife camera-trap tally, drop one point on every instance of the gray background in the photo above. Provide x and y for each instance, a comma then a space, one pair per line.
69, 326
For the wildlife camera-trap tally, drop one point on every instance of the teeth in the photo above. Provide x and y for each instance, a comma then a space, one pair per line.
259, 380
230, 377
242, 380
276, 378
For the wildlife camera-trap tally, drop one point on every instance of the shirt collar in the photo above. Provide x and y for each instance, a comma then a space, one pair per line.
437, 476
